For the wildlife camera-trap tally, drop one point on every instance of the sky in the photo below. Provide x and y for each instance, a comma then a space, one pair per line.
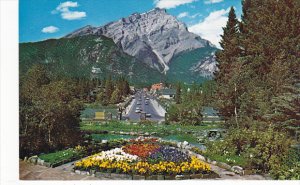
44, 19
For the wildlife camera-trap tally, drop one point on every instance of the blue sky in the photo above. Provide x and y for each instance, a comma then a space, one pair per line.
44, 19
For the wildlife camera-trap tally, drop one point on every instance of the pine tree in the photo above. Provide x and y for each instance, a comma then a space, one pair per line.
230, 47
178, 94
268, 56
109, 88
228, 87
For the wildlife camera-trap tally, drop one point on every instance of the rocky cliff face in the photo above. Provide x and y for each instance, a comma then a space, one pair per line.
154, 37
205, 67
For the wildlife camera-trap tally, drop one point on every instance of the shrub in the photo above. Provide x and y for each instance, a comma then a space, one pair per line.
289, 168
264, 150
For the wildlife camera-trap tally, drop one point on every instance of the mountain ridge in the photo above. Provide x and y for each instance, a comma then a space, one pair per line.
145, 47
154, 37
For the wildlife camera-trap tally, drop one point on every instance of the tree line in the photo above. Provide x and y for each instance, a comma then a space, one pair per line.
189, 102
259, 66
112, 91
50, 108
257, 91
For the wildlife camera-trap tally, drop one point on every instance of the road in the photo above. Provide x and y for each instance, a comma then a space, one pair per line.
149, 109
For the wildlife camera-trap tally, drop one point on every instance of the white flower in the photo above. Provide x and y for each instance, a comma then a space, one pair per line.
115, 154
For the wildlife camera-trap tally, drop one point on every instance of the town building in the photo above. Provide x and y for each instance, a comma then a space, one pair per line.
166, 93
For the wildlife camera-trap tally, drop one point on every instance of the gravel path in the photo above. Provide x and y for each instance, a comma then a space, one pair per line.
228, 175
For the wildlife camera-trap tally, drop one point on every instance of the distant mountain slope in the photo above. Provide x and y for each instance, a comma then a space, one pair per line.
86, 56
154, 37
189, 66
145, 47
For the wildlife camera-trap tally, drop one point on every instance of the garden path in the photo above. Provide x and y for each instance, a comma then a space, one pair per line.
228, 175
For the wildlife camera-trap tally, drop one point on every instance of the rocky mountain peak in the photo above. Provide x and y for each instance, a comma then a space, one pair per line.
154, 37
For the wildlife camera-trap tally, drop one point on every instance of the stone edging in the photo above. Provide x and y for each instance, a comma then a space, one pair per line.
142, 177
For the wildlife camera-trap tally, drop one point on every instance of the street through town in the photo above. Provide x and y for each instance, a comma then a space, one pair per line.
153, 110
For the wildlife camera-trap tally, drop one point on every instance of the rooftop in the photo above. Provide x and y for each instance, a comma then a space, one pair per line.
167, 92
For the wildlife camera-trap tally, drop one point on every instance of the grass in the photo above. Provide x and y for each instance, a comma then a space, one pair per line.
231, 160
90, 109
99, 137
160, 129
59, 156
182, 137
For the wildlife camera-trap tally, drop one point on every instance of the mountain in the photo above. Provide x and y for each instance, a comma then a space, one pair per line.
193, 66
146, 48
154, 37
205, 67
86, 56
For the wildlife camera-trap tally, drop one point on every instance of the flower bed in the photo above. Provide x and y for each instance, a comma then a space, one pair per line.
61, 157
144, 156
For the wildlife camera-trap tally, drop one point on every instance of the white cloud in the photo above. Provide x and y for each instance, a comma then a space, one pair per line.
183, 14
212, 1
73, 15
186, 14
66, 5
66, 13
211, 27
50, 29
171, 3
195, 15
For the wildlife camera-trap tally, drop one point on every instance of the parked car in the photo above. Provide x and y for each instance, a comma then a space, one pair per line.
148, 115
137, 111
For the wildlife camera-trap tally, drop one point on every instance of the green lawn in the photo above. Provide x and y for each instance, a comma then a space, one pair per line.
231, 160
59, 156
90, 109
161, 129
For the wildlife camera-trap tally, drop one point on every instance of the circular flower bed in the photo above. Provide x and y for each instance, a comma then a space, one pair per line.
144, 156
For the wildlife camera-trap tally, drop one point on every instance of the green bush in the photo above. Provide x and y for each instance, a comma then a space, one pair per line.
263, 150
185, 114
289, 168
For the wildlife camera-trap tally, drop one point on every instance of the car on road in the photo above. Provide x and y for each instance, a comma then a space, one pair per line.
148, 115
146, 103
138, 103
147, 99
